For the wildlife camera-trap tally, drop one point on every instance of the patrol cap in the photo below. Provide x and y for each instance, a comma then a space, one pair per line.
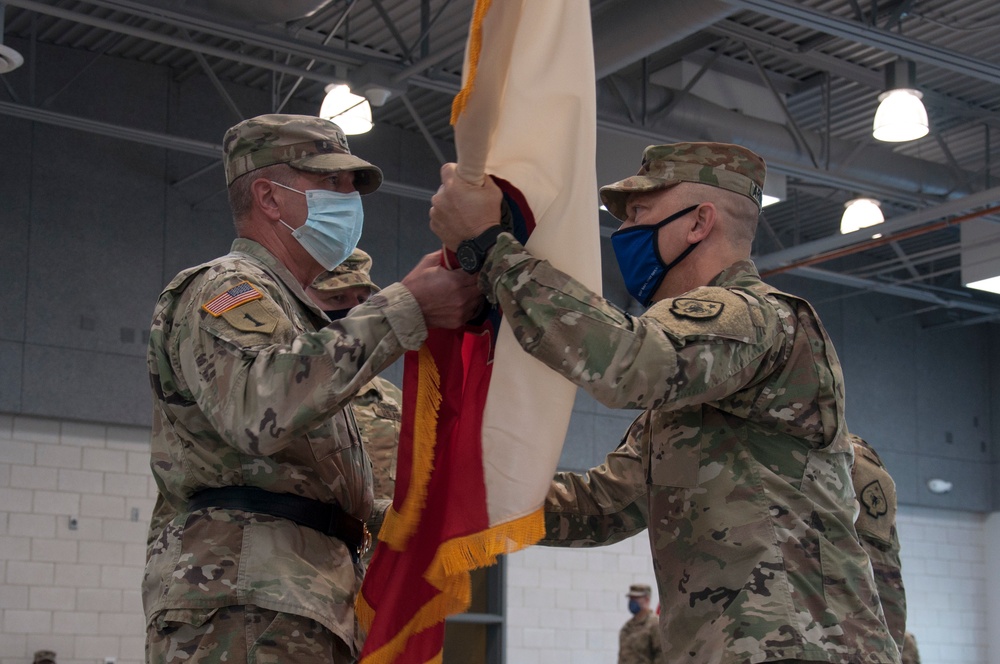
723, 165
45, 657
354, 271
304, 142
639, 590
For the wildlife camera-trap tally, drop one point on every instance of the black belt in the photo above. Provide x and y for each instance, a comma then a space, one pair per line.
328, 519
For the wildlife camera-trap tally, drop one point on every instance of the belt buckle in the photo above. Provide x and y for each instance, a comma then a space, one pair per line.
366, 540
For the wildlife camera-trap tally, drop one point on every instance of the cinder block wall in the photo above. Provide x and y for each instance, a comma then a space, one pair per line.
77, 591
944, 570
72, 590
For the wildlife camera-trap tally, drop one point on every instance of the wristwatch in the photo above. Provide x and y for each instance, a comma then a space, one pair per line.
472, 253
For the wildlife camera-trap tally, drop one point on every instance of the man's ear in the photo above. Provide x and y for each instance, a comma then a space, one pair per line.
262, 192
704, 221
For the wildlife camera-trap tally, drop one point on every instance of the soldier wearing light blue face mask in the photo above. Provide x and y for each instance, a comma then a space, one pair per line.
264, 487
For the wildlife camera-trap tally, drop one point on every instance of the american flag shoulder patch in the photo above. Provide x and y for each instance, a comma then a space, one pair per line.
239, 294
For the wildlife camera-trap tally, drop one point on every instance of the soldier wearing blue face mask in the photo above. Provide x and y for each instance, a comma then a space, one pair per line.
639, 638
265, 504
739, 465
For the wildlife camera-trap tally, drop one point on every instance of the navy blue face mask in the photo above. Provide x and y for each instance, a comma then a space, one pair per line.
638, 255
634, 607
336, 314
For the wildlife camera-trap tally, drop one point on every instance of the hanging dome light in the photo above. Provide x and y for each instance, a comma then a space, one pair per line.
901, 115
351, 112
860, 213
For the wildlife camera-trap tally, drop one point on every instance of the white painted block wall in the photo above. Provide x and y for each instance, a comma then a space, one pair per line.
77, 591
944, 569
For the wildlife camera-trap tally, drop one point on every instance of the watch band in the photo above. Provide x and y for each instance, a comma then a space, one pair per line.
472, 252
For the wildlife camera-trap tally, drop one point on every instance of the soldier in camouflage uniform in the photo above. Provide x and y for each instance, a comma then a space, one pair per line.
910, 653
378, 406
263, 485
739, 466
639, 638
876, 524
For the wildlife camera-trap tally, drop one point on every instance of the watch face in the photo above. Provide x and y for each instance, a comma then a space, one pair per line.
467, 258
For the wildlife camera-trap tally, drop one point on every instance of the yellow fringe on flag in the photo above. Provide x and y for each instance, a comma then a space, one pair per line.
475, 48
449, 573
398, 526
481, 549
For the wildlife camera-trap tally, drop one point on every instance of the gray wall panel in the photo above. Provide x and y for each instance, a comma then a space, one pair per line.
86, 385
15, 224
95, 232
11, 359
971, 484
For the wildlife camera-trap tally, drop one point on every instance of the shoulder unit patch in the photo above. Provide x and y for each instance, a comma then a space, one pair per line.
697, 309
239, 294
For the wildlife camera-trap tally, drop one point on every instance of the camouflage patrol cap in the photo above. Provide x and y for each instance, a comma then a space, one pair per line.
45, 657
723, 165
639, 590
354, 271
302, 141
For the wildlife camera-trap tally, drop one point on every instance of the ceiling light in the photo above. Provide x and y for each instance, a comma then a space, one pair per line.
938, 485
352, 112
775, 189
860, 213
901, 115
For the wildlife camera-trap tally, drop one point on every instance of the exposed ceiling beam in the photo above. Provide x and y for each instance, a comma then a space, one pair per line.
166, 141
875, 37
788, 256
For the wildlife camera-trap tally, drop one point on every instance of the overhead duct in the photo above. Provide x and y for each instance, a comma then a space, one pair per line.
633, 29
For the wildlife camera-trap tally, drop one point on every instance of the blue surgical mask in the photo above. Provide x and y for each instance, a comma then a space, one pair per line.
633, 606
333, 225
638, 254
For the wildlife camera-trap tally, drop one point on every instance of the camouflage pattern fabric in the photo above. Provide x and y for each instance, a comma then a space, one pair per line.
378, 409
639, 641
722, 165
354, 271
251, 389
305, 142
739, 466
876, 524
911, 655
246, 633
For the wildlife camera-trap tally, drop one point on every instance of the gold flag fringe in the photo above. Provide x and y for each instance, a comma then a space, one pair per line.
398, 526
475, 48
449, 573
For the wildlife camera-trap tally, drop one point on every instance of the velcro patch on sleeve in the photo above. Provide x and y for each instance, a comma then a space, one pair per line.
876, 492
239, 294
706, 312
251, 317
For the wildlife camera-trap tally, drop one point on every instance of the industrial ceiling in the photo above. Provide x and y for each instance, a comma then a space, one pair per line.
795, 81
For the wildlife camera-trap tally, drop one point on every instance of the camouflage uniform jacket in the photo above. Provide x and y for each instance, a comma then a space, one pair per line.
378, 409
876, 524
256, 396
639, 641
739, 466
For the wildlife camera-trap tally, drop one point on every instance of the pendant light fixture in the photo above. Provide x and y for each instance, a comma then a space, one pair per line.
901, 115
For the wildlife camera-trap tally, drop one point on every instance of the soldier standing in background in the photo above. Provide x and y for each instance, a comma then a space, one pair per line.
264, 490
378, 406
739, 466
639, 638
910, 653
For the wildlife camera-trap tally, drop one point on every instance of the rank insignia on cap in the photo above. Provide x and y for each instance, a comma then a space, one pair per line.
698, 309
873, 498
239, 294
